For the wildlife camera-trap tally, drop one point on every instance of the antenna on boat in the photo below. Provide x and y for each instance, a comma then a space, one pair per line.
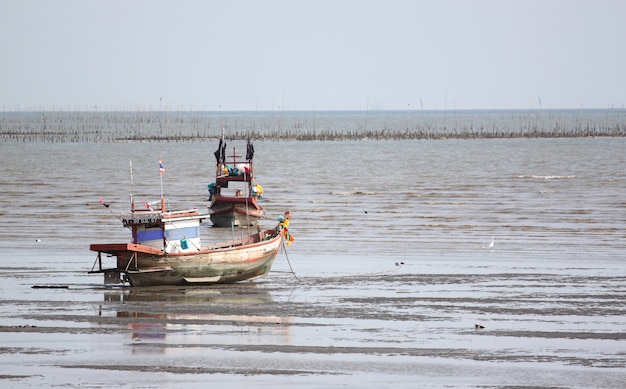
132, 198
109, 209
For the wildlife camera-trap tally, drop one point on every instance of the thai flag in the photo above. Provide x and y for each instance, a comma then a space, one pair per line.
161, 166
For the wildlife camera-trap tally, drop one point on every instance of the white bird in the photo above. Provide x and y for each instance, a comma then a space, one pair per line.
493, 242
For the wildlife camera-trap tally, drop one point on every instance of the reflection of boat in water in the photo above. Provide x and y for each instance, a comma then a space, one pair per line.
176, 298
153, 312
166, 250
241, 207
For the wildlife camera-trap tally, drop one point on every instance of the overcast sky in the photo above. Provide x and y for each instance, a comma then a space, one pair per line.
312, 54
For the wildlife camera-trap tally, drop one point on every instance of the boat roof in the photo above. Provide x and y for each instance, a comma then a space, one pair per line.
149, 216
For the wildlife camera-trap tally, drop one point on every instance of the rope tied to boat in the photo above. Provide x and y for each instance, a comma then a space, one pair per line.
288, 261
283, 223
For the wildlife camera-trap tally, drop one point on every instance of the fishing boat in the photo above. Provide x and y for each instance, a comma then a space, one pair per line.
237, 205
166, 250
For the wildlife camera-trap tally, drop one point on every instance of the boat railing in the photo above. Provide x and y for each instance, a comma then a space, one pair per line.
232, 162
242, 171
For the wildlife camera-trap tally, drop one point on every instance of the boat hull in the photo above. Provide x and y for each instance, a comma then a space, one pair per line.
228, 212
221, 264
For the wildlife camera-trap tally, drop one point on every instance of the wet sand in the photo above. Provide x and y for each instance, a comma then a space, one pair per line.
550, 294
391, 327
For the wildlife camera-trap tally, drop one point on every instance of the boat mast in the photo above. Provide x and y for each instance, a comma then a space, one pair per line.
132, 198
250, 157
220, 156
161, 172
133, 228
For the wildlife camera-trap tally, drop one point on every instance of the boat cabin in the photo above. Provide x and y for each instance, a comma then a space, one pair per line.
172, 232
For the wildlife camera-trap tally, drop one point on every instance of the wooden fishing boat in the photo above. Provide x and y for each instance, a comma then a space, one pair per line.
237, 205
166, 250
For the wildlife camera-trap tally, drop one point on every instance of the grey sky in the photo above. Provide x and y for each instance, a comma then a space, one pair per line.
312, 54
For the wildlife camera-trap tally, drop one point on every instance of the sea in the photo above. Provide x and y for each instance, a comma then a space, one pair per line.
473, 249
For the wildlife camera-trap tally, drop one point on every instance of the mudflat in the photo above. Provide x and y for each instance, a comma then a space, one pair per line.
388, 328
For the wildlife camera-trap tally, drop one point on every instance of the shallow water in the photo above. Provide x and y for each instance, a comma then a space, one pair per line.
391, 258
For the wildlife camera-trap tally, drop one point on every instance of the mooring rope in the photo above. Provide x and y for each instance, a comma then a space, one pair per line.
289, 262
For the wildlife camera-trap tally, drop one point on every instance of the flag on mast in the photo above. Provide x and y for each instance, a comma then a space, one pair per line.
161, 166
